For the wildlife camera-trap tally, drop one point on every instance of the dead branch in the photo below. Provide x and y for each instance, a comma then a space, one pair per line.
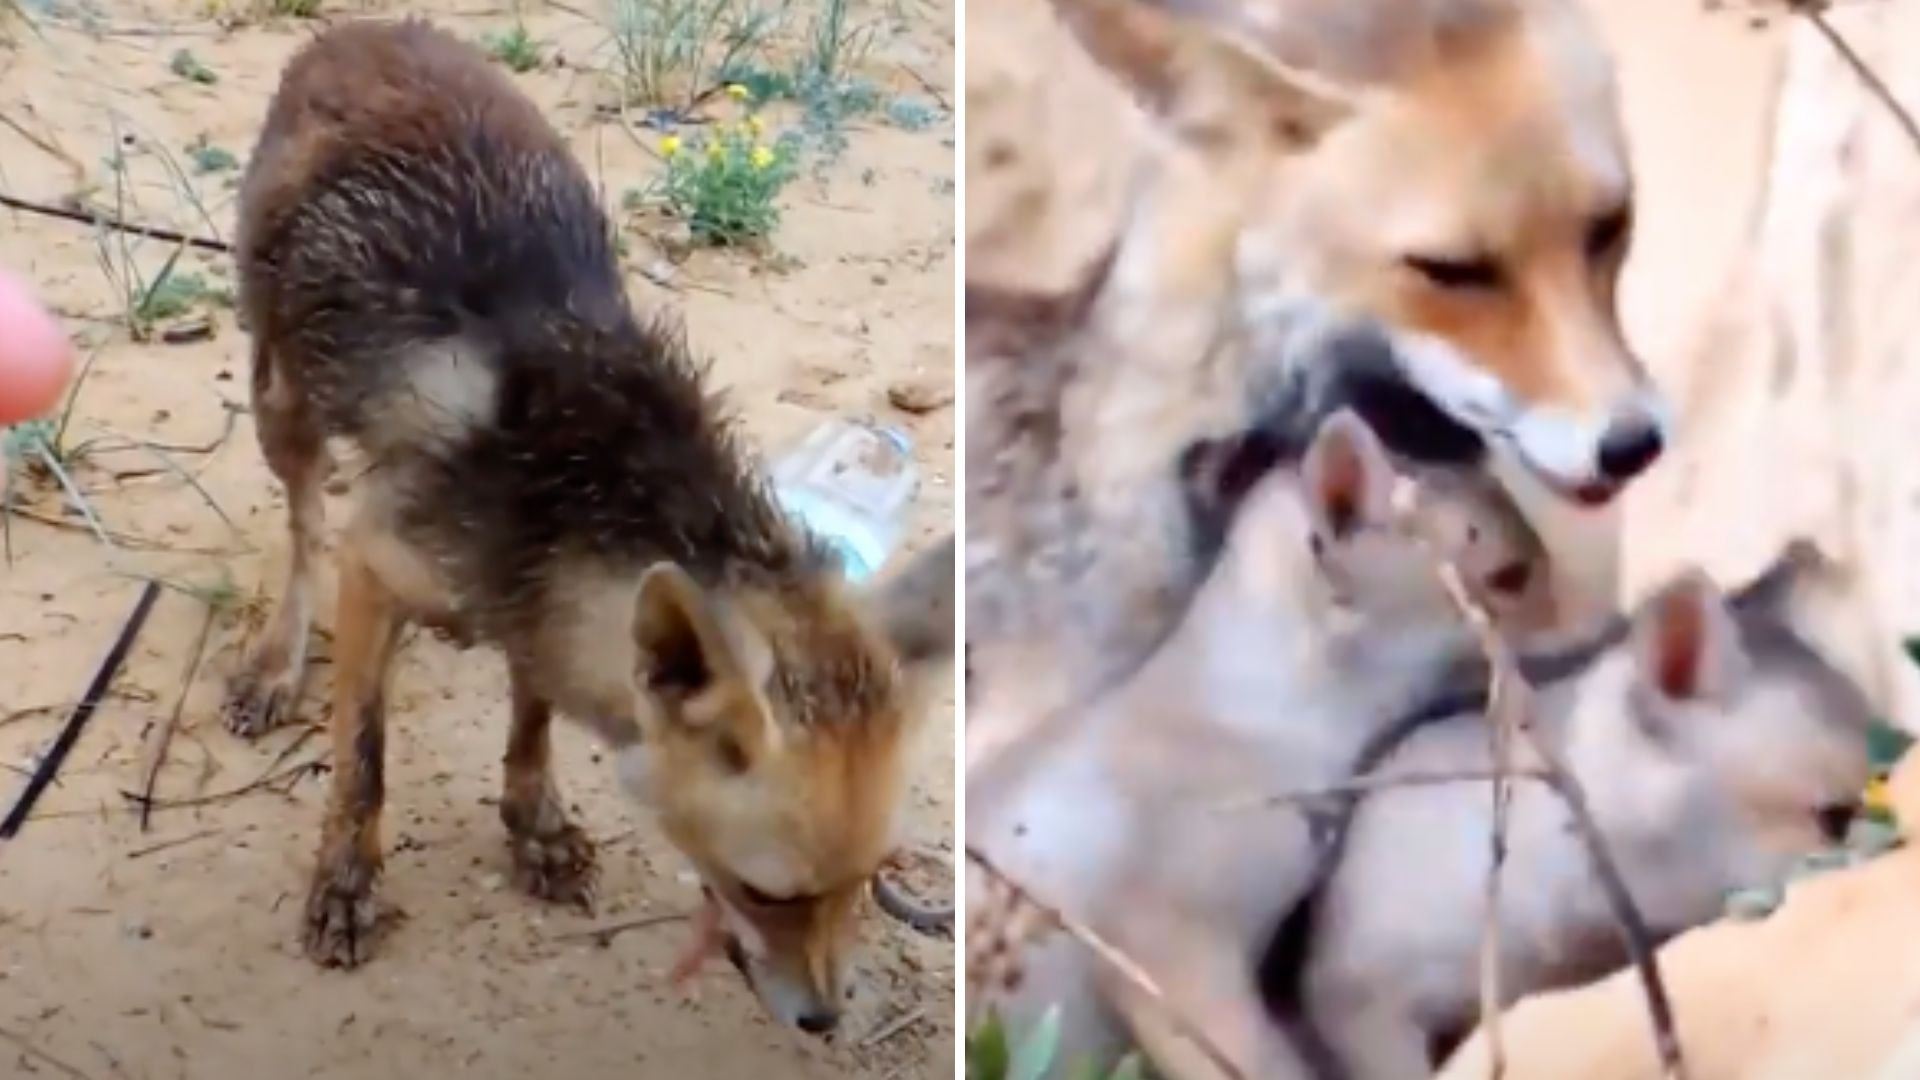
1115, 959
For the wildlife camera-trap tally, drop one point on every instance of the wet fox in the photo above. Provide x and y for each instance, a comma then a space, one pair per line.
1714, 745
429, 280
1320, 619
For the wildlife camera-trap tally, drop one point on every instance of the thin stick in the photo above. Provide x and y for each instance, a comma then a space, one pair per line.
1115, 959
42, 1056
1815, 13
164, 845
604, 935
154, 231
89, 701
164, 738
1362, 785
894, 1027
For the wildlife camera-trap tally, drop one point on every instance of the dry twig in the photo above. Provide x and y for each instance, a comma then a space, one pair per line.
604, 935
164, 737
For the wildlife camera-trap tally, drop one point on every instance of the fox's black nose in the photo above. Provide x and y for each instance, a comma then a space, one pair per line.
1631, 443
819, 1023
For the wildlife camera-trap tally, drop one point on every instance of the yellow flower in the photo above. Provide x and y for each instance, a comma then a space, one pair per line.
736, 91
714, 150
756, 125
762, 157
1876, 796
670, 145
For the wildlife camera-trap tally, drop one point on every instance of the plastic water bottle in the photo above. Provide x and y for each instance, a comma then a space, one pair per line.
850, 484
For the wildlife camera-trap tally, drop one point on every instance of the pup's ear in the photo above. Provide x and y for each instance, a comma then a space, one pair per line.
1203, 69
914, 607
1686, 644
1349, 478
698, 660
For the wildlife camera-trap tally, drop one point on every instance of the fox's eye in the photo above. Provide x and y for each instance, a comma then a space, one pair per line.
1607, 231
1475, 273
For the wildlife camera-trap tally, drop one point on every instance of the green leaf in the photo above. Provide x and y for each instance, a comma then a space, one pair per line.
1035, 1056
987, 1051
1886, 743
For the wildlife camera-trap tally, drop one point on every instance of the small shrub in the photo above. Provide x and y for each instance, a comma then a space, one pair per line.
297, 9
516, 48
725, 184
189, 67
208, 158
911, 115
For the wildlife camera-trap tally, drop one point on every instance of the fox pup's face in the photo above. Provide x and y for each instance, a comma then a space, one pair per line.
1373, 561
781, 732
1729, 691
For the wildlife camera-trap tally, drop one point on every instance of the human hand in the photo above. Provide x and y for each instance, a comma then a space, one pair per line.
35, 358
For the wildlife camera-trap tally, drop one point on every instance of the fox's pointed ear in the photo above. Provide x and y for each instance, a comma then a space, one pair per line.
914, 608
700, 662
1201, 69
1349, 477
1685, 643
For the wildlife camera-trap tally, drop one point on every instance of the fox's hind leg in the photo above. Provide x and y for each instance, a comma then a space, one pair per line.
267, 687
552, 858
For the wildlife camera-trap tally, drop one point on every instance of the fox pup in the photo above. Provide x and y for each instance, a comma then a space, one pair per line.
1714, 745
1320, 619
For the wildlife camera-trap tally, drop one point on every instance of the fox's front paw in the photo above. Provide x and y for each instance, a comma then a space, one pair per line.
343, 914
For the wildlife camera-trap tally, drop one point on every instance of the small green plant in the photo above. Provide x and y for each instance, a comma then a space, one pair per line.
173, 294
991, 1056
189, 67
296, 9
208, 158
725, 184
911, 115
516, 48
667, 51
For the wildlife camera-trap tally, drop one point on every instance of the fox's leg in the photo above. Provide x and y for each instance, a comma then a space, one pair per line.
341, 910
552, 858
267, 687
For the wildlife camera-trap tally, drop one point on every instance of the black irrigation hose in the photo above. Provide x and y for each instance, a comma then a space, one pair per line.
97, 689
931, 921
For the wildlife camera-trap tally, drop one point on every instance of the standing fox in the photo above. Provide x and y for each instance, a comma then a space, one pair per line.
428, 278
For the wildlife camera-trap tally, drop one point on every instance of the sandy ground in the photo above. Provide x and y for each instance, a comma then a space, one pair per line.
172, 953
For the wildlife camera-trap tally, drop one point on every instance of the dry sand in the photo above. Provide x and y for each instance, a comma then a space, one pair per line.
173, 953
